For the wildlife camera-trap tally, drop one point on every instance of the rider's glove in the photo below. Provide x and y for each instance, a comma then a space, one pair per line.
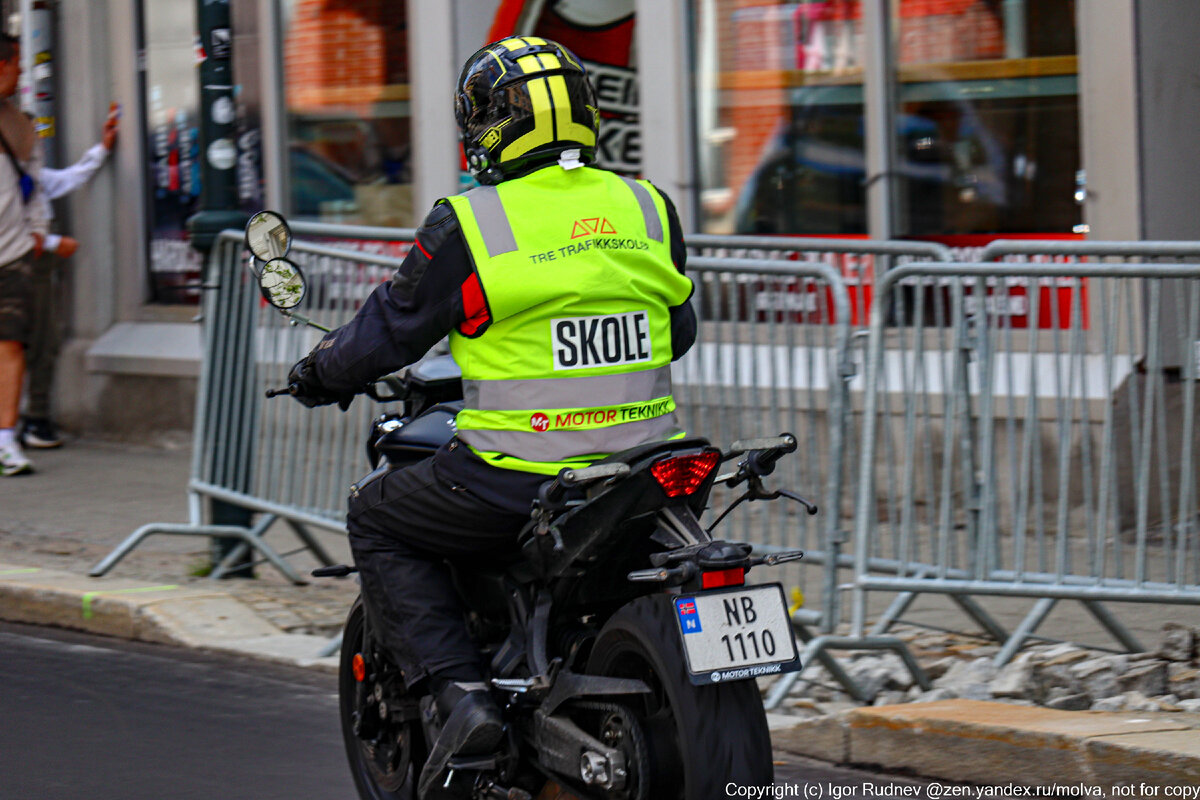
308, 389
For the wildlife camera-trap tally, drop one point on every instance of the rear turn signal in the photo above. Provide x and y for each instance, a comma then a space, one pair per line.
683, 475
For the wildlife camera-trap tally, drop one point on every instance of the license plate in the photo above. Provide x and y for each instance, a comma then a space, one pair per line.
735, 634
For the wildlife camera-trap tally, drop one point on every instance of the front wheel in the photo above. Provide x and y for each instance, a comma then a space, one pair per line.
380, 725
700, 739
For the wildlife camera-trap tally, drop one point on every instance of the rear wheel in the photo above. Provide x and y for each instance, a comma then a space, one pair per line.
699, 739
380, 724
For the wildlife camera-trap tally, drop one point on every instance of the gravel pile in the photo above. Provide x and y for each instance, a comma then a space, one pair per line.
1062, 676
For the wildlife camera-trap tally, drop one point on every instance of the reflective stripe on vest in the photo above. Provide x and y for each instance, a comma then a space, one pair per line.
654, 228
601, 390
493, 222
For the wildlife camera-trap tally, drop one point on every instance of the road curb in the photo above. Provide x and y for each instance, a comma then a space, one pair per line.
958, 740
163, 613
1001, 743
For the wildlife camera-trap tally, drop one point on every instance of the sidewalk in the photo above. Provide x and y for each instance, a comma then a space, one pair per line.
88, 496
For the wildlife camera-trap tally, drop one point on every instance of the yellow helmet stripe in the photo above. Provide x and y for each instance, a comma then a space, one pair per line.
543, 119
568, 128
513, 44
533, 40
529, 64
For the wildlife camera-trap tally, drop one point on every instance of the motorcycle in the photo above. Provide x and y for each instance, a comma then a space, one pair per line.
622, 639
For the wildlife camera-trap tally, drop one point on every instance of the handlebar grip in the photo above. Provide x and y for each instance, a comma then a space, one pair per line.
761, 460
577, 477
785, 442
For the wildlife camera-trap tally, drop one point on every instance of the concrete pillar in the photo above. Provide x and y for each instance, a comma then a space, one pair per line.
664, 83
1108, 111
435, 152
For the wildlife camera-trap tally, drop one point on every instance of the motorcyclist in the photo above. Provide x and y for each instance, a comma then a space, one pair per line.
562, 291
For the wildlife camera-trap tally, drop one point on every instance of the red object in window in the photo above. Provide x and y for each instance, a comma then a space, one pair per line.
683, 475
724, 577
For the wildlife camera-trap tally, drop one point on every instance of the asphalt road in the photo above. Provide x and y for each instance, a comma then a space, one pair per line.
104, 719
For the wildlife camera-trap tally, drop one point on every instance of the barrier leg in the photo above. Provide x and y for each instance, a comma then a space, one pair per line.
247, 538
984, 619
331, 647
1028, 625
136, 538
311, 543
892, 613
818, 649
1113, 626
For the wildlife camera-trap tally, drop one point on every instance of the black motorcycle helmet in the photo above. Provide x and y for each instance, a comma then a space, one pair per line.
520, 102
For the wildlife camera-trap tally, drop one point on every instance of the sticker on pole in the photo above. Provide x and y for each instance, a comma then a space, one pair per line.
222, 154
222, 111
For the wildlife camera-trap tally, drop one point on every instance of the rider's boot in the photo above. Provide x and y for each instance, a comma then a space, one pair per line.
473, 727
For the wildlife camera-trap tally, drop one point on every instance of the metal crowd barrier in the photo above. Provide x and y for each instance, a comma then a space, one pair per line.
771, 355
1026, 435
1027, 428
272, 457
793, 322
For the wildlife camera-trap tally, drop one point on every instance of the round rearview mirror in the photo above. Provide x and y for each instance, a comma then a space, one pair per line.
282, 283
268, 236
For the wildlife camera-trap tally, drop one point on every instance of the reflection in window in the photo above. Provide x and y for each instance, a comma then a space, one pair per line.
985, 120
347, 94
987, 134
779, 110
173, 148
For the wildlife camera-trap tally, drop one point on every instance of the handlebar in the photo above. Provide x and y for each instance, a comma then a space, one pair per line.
761, 455
552, 493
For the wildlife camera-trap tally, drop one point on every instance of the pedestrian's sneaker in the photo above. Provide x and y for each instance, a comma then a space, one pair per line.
13, 461
40, 434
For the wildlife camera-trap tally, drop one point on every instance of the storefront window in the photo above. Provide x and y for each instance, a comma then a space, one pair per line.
346, 87
779, 105
987, 121
173, 146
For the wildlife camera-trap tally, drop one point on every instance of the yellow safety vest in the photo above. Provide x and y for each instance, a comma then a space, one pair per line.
576, 269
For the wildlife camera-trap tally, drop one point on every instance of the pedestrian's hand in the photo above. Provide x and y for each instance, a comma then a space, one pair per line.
67, 247
110, 126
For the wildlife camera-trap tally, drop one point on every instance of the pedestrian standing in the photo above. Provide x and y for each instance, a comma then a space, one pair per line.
37, 427
22, 232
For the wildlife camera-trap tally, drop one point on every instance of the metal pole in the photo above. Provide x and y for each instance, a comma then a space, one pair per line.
218, 200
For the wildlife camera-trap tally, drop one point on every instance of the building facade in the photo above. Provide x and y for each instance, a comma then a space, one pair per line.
956, 120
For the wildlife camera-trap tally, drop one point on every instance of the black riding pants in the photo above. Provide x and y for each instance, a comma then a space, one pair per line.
407, 525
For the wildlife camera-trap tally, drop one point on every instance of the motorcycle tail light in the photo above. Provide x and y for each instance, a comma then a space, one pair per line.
723, 577
683, 475
359, 666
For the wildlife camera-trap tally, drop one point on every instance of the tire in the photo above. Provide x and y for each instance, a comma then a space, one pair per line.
372, 777
701, 738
